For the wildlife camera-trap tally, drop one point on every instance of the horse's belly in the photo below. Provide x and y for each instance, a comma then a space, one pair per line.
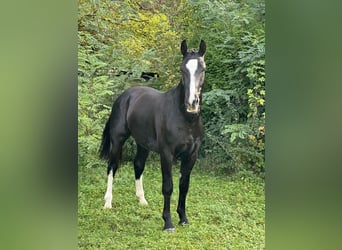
148, 144
146, 138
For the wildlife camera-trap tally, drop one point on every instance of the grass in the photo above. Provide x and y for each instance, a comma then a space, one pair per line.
224, 213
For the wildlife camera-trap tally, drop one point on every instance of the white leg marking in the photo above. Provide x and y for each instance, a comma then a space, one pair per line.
192, 65
140, 191
108, 196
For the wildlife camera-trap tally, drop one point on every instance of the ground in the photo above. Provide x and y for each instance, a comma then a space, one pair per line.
224, 212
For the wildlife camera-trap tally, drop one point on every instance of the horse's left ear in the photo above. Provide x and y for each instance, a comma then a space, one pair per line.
202, 48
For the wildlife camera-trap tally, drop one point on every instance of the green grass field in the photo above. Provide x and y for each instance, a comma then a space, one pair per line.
224, 213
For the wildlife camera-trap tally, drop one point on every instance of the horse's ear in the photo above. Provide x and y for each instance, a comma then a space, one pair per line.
184, 47
202, 48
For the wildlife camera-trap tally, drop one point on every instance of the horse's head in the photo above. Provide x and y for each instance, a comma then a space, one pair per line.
193, 67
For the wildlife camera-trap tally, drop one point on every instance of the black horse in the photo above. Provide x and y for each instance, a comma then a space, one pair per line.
168, 123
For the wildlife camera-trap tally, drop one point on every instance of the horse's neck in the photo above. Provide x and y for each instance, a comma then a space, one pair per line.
177, 94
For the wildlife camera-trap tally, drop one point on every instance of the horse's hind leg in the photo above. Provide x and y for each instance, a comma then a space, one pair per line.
139, 165
113, 165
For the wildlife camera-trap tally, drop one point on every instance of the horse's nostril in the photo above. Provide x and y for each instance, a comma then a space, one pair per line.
195, 102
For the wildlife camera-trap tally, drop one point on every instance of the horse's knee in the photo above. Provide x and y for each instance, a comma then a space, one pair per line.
167, 189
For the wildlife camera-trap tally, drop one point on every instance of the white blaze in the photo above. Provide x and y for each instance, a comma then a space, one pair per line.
140, 191
192, 65
108, 195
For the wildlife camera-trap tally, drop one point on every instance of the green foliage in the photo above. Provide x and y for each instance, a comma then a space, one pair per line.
247, 146
115, 37
220, 107
223, 214
234, 105
137, 36
91, 113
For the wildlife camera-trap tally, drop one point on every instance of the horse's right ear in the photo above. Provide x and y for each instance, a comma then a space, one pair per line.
184, 47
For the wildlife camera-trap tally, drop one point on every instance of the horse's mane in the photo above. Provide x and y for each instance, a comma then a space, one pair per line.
192, 51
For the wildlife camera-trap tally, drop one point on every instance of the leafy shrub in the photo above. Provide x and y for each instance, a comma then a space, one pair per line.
247, 146
235, 146
219, 108
117, 36
234, 105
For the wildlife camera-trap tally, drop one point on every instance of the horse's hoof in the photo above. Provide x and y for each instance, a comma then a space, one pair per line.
143, 202
183, 223
169, 230
107, 205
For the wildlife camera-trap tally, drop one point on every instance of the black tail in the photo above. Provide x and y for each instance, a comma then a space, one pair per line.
105, 147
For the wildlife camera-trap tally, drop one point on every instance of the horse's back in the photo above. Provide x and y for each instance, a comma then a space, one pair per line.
136, 98
142, 101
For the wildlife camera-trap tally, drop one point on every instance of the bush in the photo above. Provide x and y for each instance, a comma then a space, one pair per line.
234, 105
118, 36
230, 145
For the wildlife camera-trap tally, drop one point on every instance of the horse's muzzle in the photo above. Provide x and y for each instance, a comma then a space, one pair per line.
193, 109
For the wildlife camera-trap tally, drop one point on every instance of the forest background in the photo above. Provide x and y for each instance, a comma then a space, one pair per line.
119, 40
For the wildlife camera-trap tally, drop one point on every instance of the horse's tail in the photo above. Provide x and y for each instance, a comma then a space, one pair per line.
106, 146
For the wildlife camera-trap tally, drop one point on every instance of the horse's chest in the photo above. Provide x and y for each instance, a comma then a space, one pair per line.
184, 140
187, 136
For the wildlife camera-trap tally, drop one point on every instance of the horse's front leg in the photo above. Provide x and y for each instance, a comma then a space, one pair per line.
167, 188
186, 167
